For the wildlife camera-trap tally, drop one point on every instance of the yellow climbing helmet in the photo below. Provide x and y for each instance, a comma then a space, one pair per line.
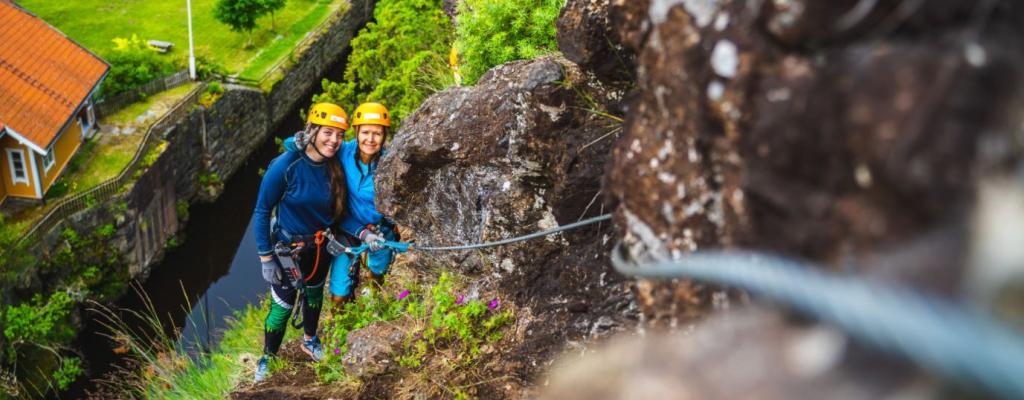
328, 114
371, 114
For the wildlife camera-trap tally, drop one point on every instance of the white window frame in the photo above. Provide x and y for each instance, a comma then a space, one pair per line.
24, 166
49, 160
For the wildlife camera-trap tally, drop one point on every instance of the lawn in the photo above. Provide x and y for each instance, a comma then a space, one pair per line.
106, 156
94, 23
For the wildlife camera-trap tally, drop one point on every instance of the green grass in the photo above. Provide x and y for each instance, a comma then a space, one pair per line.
282, 47
159, 103
168, 373
94, 23
217, 375
104, 157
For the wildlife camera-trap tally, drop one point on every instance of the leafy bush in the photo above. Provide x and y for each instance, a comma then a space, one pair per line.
40, 322
493, 32
398, 60
58, 189
207, 67
132, 64
213, 92
443, 323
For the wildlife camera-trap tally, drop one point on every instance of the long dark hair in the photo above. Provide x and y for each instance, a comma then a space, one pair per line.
339, 187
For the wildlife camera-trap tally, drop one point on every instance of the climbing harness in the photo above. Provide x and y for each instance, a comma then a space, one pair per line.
932, 333
288, 255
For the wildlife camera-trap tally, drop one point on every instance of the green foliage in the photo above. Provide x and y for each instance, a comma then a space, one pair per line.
272, 6
240, 15
182, 208
58, 189
493, 32
13, 254
167, 372
70, 368
442, 324
105, 231
132, 64
461, 325
90, 200
93, 259
398, 59
209, 179
210, 95
41, 322
206, 67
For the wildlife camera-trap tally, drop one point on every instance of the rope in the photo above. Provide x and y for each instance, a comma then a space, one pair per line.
534, 235
932, 333
402, 247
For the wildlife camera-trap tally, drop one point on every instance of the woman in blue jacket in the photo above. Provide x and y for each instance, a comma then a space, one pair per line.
362, 223
307, 189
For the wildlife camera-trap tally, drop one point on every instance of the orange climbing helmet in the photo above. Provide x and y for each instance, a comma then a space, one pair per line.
372, 114
328, 114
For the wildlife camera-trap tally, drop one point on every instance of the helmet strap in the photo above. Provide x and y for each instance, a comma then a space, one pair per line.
312, 141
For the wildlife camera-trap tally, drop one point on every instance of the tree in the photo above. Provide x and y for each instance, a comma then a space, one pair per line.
240, 15
272, 6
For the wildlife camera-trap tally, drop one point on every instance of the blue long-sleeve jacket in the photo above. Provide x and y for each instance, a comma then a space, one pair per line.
360, 177
300, 189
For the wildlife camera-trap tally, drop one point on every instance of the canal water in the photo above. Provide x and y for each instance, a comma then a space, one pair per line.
215, 269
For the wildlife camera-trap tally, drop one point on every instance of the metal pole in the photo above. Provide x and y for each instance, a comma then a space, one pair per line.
191, 52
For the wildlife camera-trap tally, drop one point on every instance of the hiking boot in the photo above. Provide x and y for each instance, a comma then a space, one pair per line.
262, 368
312, 347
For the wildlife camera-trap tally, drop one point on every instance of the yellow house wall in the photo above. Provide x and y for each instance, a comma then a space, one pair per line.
65, 147
21, 189
3, 180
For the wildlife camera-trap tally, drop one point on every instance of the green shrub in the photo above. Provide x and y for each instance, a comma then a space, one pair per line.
132, 64
206, 67
182, 207
40, 322
209, 179
57, 190
493, 32
398, 60
213, 92
441, 323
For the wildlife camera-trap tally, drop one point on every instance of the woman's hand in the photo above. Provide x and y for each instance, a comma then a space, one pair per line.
271, 271
373, 239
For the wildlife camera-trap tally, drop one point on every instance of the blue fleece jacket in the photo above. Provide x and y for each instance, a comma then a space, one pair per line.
300, 189
360, 177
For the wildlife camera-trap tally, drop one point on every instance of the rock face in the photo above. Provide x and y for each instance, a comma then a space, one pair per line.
746, 354
812, 130
522, 151
371, 349
586, 37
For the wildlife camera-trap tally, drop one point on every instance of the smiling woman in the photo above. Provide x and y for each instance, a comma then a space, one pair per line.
214, 41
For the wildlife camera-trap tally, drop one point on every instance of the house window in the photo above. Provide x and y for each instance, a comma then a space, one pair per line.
48, 160
16, 160
87, 117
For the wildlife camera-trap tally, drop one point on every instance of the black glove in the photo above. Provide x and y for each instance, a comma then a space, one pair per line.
271, 271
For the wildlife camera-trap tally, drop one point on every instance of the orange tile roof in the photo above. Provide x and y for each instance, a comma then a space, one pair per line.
44, 76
